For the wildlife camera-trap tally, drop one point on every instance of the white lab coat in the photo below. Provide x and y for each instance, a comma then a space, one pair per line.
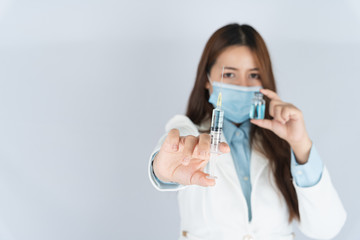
220, 212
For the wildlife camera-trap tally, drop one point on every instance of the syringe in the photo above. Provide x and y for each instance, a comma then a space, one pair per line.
215, 132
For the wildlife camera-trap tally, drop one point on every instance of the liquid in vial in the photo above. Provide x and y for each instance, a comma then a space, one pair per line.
257, 110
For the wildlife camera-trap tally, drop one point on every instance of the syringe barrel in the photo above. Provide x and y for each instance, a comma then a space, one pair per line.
217, 119
216, 129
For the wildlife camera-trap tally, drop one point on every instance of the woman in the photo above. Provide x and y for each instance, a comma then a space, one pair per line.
269, 174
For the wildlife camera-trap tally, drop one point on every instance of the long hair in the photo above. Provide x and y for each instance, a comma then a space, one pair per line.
265, 141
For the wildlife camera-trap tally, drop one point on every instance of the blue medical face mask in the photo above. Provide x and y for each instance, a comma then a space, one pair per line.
236, 100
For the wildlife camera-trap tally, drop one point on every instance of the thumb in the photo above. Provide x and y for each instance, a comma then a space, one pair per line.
200, 178
264, 123
224, 147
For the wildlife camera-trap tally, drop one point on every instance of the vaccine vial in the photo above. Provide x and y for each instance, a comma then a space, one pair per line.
257, 110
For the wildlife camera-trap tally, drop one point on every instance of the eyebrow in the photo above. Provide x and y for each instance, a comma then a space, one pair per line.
235, 69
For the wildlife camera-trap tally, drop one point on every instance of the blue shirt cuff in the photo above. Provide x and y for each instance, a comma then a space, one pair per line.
308, 174
158, 180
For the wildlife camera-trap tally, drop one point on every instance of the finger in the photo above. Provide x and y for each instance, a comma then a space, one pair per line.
199, 178
171, 143
286, 113
264, 123
291, 112
203, 148
277, 114
272, 105
270, 94
224, 147
189, 146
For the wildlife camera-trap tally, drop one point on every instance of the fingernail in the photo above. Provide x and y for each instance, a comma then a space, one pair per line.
186, 159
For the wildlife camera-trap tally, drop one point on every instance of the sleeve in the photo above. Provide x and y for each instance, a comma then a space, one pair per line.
322, 214
308, 174
185, 127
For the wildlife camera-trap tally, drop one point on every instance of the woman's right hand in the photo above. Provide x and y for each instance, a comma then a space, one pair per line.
183, 159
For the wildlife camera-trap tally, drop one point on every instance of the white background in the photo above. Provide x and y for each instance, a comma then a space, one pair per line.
86, 88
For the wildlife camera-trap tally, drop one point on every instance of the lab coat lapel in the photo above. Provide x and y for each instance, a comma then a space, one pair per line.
257, 164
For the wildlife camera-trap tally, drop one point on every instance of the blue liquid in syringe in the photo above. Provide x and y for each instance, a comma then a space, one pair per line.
217, 120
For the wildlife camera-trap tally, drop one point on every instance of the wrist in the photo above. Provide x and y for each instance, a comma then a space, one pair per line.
156, 172
302, 149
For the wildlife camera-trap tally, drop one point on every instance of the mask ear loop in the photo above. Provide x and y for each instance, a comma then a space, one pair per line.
222, 77
208, 76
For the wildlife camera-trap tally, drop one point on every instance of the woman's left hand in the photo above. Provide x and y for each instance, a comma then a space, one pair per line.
288, 123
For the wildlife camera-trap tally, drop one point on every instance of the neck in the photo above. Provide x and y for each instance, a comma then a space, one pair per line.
239, 124
236, 124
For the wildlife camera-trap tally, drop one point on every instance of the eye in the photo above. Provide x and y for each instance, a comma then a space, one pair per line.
254, 76
228, 75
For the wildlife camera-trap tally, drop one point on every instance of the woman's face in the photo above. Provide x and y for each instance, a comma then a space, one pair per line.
240, 68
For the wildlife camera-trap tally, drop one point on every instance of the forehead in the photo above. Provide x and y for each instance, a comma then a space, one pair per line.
237, 56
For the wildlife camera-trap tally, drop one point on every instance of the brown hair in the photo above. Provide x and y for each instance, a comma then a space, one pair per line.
199, 109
